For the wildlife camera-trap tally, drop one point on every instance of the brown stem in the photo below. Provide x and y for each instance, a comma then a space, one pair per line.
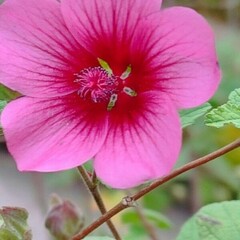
93, 188
129, 201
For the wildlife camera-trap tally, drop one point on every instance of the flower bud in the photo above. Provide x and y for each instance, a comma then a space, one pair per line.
64, 219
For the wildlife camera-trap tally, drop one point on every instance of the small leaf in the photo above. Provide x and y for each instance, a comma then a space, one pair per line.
227, 113
222, 171
13, 224
188, 116
155, 217
7, 234
217, 221
7, 94
2, 105
136, 231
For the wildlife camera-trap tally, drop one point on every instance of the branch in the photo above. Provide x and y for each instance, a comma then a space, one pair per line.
130, 201
93, 188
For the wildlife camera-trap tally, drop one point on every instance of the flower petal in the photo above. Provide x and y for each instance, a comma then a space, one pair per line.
52, 135
181, 54
105, 27
38, 54
141, 146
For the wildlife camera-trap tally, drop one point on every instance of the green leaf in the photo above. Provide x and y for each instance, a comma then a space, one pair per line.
155, 217
223, 172
188, 116
227, 113
7, 94
136, 231
2, 105
7, 235
98, 238
217, 221
13, 224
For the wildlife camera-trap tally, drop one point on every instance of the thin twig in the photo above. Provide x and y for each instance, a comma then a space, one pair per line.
129, 201
93, 188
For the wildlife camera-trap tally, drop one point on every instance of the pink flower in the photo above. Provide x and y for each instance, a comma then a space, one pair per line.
102, 79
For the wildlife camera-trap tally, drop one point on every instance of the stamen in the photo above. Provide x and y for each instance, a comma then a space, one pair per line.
127, 72
100, 85
105, 66
96, 84
129, 92
112, 101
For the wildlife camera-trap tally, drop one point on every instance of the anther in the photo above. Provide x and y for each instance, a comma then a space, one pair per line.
112, 101
129, 92
127, 72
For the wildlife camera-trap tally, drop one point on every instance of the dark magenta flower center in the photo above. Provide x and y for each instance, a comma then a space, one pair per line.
100, 85
97, 84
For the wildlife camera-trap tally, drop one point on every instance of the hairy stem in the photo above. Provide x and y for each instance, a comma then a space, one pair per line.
93, 188
130, 201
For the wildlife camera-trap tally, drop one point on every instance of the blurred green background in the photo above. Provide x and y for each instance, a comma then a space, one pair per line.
176, 200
